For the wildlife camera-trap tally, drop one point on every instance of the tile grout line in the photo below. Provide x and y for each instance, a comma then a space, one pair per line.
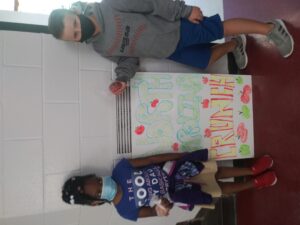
23, 66
79, 124
61, 102
2, 129
43, 125
79, 106
23, 138
61, 172
95, 69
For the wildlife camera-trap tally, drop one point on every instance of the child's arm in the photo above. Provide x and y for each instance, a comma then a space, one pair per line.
155, 159
161, 209
199, 155
147, 212
125, 70
171, 10
126, 67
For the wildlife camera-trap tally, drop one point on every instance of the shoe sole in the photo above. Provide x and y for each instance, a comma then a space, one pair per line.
271, 162
275, 181
244, 42
292, 40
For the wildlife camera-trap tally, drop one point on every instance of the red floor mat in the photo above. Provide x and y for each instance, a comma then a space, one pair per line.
276, 95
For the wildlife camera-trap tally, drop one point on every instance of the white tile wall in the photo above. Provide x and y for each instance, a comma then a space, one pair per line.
154, 65
94, 155
175, 67
96, 104
55, 114
1, 63
90, 59
26, 49
26, 156
64, 217
1, 183
23, 177
92, 215
1, 128
61, 70
22, 102
61, 138
209, 8
24, 220
57, 119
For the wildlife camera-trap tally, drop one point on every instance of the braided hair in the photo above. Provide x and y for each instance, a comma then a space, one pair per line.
72, 192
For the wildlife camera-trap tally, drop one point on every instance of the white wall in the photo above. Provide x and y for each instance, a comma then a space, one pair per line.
208, 7
57, 118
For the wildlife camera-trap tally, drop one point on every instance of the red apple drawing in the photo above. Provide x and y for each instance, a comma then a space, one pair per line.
205, 80
154, 103
205, 103
242, 132
139, 130
175, 147
245, 97
207, 132
247, 89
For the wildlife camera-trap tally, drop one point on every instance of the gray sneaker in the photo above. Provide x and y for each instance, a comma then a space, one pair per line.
239, 52
281, 37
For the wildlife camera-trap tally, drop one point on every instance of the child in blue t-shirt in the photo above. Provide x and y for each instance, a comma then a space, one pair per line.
150, 186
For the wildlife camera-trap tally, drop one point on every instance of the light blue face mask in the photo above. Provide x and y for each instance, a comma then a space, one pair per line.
109, 188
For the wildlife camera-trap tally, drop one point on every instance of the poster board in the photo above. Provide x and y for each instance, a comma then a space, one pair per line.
175, 112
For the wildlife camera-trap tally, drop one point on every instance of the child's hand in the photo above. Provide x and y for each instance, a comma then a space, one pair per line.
163, 208
196, 15
161, 211
165, 203
117, 87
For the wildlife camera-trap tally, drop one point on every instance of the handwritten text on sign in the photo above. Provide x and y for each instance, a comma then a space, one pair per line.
185, 112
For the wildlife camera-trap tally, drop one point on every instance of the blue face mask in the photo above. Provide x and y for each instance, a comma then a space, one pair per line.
109, 188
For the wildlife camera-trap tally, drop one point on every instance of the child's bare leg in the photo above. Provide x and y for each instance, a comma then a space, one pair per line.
220, 50
230, 187
264, 180
245, 26
226, 172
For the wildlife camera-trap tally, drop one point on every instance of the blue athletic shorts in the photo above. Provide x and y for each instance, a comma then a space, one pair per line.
194, 46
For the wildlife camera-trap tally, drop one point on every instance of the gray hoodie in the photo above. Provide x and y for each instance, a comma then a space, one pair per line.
135, 28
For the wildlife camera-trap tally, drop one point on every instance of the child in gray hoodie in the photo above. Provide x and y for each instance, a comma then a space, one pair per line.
124, 30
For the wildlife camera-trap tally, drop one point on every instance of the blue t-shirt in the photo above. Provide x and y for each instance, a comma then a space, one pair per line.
138, 186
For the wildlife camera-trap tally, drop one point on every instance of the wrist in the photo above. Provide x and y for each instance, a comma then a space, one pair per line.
187, 11
122, 78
